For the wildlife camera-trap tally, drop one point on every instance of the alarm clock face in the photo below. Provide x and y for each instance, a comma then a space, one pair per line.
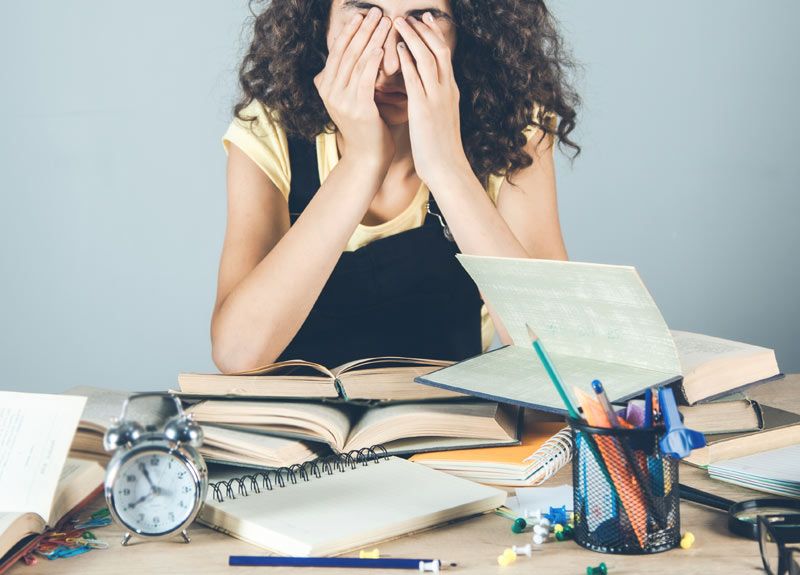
154, 492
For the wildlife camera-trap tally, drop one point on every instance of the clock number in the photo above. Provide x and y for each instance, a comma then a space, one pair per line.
187, 489
154, 461
182, 504
126, 491
156, 520
130, 478
181, 474
171, 516
140, 517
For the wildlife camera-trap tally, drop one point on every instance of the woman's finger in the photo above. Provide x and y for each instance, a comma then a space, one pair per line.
329, 72
366, 83
432, 35
355, 48
426, 62
414, 86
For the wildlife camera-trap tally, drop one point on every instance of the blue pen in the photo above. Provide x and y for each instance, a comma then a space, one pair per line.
432, 565
604, 403
648, 407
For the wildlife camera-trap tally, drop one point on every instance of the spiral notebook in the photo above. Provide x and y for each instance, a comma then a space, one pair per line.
546, 447
339, 503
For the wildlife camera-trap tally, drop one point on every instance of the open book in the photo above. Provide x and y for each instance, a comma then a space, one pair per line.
400, 428
80, 481
375, 378
38, 489
102, 406
596, 321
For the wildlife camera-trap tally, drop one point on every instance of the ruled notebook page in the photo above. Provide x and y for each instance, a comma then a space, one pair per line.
347, 510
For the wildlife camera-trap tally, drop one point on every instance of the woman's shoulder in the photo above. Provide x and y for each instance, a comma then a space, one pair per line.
257, 131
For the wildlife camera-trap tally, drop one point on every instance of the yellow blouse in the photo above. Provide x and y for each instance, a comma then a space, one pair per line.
265, 143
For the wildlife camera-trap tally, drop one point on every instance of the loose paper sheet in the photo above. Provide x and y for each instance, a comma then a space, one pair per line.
36, 431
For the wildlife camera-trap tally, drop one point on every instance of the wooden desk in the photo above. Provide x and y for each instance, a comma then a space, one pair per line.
474, 543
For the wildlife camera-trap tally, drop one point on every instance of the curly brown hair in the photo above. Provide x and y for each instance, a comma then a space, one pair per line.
509, 58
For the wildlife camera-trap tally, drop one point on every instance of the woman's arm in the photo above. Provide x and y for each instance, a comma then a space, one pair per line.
524, 223
271, 273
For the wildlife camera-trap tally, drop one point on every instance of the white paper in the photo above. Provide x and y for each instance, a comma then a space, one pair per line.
36, 431
533, 498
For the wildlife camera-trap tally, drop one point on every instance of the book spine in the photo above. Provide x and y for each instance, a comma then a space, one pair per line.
250, 483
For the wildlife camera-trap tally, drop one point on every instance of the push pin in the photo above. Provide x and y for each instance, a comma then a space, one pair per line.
557, 514
687, 540
429, 566
558, 528
599, 570
524, 550
519, 525
507, 558
536, 515
539, 538
374, 554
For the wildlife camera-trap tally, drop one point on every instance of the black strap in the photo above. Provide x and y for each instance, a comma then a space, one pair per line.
304, 174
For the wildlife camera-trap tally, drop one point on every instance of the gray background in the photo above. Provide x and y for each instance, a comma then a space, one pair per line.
113, 187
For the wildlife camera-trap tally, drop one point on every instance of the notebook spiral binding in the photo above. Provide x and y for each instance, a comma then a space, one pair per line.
554, 454
269, 479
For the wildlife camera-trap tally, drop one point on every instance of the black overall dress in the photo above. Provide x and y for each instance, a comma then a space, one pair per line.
402, 295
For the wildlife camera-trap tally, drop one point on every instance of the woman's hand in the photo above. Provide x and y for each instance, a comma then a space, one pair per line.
433, 114
347, 88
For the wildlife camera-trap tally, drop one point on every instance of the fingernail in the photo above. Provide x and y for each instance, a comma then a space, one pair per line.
401, 45
427, 17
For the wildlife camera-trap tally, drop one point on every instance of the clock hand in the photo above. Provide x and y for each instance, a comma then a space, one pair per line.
153, 489
143, 467
138, 501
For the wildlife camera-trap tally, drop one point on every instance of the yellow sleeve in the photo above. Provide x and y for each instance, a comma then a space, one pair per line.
264, 142
551, 120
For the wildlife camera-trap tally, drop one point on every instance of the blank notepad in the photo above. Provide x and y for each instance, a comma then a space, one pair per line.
774, 471
347, 509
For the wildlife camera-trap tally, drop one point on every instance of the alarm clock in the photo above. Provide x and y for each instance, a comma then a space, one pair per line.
156, 481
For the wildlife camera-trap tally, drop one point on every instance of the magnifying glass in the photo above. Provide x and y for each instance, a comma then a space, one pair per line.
742, 516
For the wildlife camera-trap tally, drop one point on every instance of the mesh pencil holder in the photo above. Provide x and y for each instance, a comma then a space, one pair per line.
626, 496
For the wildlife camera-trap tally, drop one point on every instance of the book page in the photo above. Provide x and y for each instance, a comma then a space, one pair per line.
596, 311
696, 349
515, 374
36, 430
78, 479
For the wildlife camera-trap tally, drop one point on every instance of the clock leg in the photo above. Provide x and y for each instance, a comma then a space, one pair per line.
126, 538
186, 536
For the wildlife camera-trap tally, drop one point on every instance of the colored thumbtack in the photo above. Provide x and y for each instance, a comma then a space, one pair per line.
374, 554
557, 514
687, 540
599, 570
519, 525
558, 528
538, 538
429, 566
524, 550
507, 558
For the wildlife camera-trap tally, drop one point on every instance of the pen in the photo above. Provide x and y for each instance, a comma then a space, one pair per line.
605, 404
430, 565
648, 407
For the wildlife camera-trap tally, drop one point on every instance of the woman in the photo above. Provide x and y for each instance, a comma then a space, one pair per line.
372, 143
